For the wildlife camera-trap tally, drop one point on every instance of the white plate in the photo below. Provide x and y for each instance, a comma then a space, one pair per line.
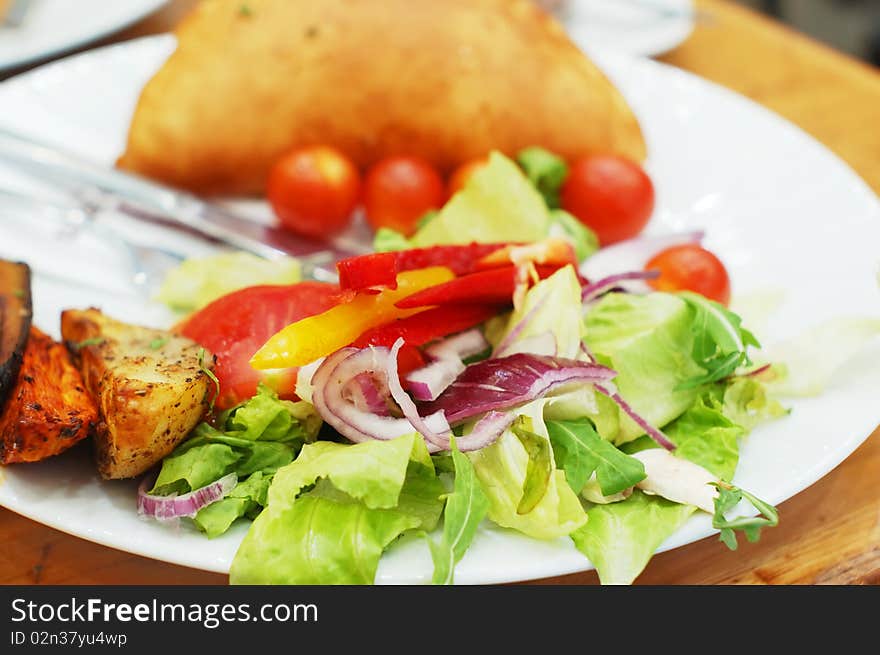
783, 212
52, 26
636, 27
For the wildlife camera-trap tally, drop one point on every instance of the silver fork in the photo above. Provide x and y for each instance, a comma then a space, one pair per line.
147, 263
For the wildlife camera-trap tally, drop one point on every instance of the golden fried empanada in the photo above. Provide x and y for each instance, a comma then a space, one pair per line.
448, 80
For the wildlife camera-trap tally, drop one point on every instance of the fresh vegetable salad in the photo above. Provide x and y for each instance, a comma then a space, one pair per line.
495, 366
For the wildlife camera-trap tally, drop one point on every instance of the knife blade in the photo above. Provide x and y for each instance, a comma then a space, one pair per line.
137, 196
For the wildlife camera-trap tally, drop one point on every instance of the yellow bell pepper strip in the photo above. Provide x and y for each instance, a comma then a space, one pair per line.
317, 336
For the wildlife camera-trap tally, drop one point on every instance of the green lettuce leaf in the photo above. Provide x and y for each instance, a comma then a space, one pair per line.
333, 511
546, 171
746, 402
810, 360
502, 469
648, 339
498, 203
322, 538
580, 451
259, 437
246, 499
539, 468
705, 436
465, 508
196, 282
620, 539
554, 305
566, 226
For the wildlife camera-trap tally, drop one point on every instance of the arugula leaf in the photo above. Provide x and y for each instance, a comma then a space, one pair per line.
539, 468
546, 171
580, 451
720, 341
465, 508
729, 497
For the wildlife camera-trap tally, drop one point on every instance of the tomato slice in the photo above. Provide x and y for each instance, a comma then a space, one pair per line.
236, 325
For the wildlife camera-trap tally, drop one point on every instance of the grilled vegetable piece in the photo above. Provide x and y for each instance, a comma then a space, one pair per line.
151, 386
15, 321
49, 409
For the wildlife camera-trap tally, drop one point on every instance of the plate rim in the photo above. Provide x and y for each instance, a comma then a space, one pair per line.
144, 9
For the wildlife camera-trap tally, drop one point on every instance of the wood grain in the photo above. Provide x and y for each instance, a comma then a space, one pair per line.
829, 533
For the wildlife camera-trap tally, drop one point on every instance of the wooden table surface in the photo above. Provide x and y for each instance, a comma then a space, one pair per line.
829, 533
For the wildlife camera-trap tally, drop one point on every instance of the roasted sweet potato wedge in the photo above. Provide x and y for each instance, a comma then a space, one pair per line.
15, 321
150, 385
49, 409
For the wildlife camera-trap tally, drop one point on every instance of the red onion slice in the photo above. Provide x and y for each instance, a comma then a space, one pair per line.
430, 381
592, 291
486, 432
364, 392
459, 346
505, 382
359, 425
439, 430
632, 254
188, 505
649, 429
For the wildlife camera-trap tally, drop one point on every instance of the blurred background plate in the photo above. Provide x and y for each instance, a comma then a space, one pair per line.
48, 27
636, 27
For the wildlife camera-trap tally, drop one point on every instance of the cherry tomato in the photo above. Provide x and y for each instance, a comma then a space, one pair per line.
236, 325
691, 268
399, 190
463, 173
314, 191
611, 195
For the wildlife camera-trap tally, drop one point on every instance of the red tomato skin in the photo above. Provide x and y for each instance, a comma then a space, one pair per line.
399, 190
691, 268
314, 191
236, 325
612, 195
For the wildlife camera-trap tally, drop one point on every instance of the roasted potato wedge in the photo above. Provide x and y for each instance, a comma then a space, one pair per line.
49, 409
150, 385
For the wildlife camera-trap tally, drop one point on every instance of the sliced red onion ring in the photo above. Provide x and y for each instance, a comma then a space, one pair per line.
435, 433
505, 382
459, 346
342, 415
364, 392
649, 429
486, 432
186, 505
595, 289
633, 254
430, 381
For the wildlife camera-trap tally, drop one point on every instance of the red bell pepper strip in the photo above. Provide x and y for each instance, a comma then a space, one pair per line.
461, 259
365, 271
428, 325
492, 287
381, 269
